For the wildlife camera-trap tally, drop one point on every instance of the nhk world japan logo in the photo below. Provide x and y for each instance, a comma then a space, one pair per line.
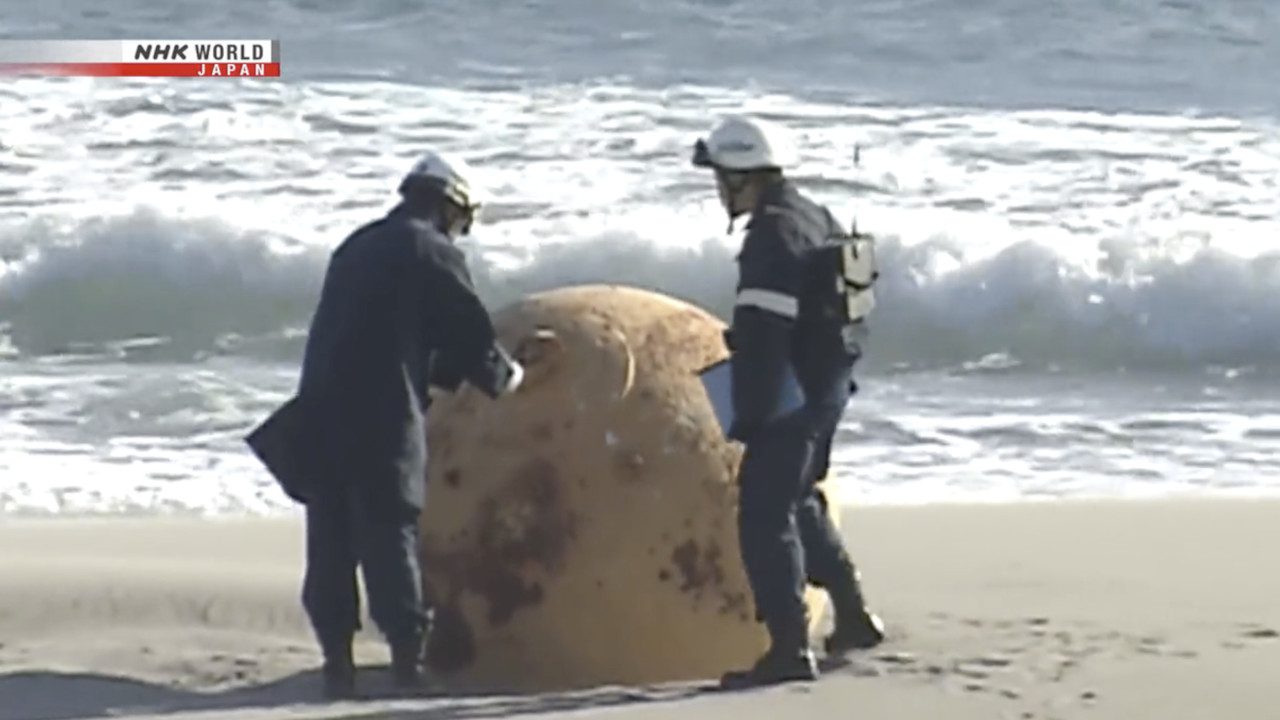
141, 58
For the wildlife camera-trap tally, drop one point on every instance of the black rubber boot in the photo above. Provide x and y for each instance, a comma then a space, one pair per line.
863, 632
339, 670
408, 664
788, 659
776, 666
856, 628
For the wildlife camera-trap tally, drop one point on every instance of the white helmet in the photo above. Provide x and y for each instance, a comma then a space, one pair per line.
448, 174
744, 143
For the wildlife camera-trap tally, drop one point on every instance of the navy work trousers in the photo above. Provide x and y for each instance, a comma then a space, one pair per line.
786, 535
346, 531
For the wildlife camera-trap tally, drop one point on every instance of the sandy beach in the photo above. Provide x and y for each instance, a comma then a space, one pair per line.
1160, 609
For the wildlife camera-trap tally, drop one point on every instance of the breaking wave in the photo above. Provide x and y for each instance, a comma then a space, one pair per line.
147, 286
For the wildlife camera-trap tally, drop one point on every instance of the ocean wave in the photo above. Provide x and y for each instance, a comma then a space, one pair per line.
147, 286
150, 286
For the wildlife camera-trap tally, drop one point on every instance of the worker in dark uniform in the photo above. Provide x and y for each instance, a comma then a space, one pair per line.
397, 314
804, 289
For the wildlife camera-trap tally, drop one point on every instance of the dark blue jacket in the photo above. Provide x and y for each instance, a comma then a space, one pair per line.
397, 312
776, 327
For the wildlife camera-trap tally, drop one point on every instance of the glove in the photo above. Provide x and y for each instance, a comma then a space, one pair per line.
515, 379
531, 357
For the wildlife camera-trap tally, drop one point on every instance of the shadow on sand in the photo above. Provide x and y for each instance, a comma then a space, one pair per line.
42, 695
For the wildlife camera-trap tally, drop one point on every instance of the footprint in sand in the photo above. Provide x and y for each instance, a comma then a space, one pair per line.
897, 663
1038, 627
1150, 646
1064, 665
1251, 634
897, 658
992, 661
981, 667
1260, 633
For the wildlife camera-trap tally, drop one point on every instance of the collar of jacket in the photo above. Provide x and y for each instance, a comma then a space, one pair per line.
421, 212
778, 192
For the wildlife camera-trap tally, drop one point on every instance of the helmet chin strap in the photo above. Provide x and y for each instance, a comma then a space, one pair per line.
735, 183
733, 219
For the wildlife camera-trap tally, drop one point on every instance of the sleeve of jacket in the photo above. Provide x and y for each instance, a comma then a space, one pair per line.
468, 349
767, 304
